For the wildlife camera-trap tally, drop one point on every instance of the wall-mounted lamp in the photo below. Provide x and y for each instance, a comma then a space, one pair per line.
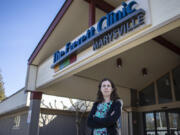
144, 71
119, 63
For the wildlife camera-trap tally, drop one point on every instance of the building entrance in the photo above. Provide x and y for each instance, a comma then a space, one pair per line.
162, 122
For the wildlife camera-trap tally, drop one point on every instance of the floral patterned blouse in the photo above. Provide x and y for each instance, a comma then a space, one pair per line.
101, 112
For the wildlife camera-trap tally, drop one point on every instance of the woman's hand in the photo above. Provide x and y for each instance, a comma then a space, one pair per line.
112, 113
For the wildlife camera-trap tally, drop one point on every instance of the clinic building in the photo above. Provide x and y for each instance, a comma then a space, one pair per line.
135, 43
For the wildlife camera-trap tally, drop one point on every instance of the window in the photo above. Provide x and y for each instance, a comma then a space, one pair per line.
176, 81
164, 89
147, 95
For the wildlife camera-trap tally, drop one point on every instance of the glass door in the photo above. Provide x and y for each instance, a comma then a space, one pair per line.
162, 122
174, 123
150, 123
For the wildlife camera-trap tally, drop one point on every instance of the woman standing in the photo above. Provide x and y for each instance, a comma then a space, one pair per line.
106, 110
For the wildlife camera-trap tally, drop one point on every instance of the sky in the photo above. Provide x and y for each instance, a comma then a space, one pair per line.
22, 25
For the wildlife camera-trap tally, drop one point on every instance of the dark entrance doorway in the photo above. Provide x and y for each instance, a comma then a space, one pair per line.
162, 122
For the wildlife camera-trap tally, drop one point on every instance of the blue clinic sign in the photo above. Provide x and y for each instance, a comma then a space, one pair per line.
106, 23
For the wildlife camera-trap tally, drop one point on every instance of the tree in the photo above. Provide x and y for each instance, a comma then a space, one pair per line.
80, 107
50, 102
2, 94
47, 118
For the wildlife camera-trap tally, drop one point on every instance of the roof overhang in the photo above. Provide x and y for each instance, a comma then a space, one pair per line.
68, 16
52, 26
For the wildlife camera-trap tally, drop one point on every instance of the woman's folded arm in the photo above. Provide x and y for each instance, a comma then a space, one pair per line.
90, 121
109, 120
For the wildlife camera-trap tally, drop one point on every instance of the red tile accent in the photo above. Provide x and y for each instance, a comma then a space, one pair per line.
36, 95
73, 58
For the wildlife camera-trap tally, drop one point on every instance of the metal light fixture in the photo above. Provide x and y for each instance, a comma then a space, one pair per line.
144, 71
119, 63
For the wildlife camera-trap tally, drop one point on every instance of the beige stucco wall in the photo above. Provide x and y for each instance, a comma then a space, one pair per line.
16, 101
164, 10
31, 77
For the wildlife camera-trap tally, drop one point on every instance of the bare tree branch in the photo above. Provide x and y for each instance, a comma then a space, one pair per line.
42, 102
50, 105
72, 104
55, 104
64, 106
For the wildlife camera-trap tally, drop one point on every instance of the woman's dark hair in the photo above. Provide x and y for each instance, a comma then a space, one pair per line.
114, 96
